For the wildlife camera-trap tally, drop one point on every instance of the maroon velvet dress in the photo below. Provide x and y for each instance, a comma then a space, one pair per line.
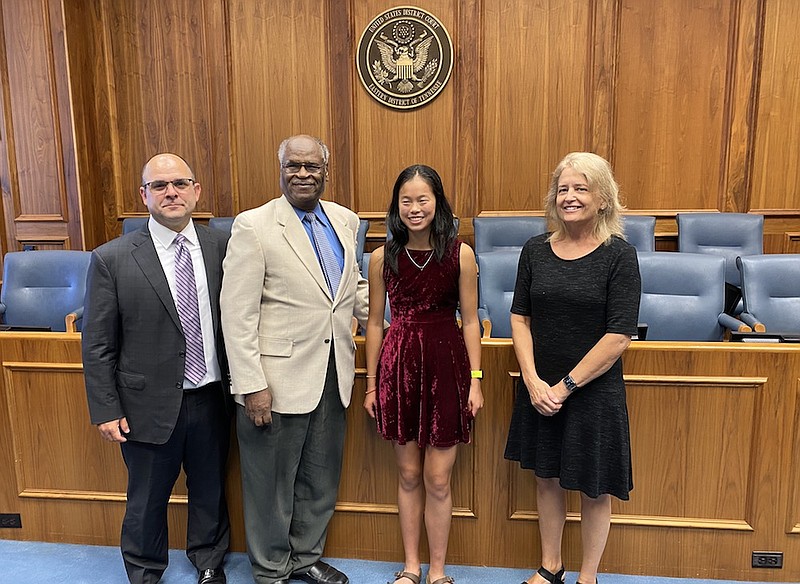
423, 373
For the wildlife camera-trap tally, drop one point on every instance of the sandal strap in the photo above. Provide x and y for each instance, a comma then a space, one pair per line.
415, 578
558, 577
443, 580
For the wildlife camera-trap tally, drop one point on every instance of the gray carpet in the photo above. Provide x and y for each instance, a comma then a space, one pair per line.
23, 562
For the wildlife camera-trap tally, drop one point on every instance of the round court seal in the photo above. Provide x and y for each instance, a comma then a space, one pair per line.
405, 57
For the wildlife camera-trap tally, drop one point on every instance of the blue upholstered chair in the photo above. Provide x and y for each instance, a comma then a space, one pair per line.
497, 233
130, 224
640, 231
221, 223
497, 276
683, 297
44, 288
729, 235
361, 239
771, 292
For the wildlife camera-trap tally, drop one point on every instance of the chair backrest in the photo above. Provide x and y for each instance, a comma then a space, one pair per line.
771, 290
361, 239
497, 276
683, 295
41, 287
640, 231
389, 233
726, 234
221, 223
497, 233
130, 224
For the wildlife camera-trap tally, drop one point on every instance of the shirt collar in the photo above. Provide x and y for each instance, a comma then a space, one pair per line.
317, 210
166, 236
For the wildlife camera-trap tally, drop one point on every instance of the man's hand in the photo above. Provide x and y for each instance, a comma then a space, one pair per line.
113, 430
258, 407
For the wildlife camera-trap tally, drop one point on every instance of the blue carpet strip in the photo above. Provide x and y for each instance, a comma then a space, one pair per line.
24, 562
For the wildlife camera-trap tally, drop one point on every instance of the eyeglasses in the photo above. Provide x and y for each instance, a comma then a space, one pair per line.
160, 186
294, 167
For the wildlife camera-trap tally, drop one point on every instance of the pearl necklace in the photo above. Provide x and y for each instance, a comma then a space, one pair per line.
421, 267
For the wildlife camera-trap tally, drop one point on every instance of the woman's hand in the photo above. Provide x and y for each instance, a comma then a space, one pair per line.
542, 397
370, 403
475, 401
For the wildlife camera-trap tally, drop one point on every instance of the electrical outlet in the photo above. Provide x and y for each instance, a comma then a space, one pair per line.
10, 520
768, 559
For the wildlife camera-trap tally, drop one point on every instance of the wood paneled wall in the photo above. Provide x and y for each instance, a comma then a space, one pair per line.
695, 103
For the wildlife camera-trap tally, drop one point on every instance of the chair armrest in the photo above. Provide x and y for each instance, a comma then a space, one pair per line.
734, 324
72, 318
486, 322
753, 321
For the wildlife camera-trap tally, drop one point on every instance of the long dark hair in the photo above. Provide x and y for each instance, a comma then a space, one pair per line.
443, 229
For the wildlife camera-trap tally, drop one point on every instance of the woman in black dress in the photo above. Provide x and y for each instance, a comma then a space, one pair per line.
575, 308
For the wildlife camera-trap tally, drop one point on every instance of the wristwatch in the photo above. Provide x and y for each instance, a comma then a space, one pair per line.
569, 383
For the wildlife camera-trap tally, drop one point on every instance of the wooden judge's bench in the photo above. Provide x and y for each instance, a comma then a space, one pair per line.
716, 457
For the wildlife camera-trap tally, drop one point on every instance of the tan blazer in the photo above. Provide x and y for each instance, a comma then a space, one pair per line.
278, 316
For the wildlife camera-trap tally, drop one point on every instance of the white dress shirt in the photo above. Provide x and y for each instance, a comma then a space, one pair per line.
164, 241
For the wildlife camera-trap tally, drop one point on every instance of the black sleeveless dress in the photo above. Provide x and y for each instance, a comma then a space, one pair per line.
423, 375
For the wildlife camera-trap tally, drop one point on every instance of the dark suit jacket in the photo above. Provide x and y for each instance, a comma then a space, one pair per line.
133, 347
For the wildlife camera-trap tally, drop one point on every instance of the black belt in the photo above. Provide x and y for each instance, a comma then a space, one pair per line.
215, 385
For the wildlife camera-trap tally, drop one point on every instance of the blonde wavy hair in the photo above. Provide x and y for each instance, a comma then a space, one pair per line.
601, 181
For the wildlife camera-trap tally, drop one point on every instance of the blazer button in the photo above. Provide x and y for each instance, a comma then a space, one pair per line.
179, 385
182, 354
327, 340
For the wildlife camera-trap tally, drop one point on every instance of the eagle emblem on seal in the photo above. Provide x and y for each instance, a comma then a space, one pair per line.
404, 58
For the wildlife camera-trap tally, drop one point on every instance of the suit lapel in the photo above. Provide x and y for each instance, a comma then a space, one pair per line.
145, 256
212, 262
297, 238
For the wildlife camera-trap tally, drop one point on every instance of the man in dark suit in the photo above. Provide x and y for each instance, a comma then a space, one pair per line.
156, 374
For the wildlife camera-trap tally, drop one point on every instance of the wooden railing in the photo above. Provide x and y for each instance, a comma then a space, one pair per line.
716, 452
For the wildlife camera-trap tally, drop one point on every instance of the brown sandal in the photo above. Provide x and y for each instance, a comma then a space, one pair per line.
442, 580
415, 578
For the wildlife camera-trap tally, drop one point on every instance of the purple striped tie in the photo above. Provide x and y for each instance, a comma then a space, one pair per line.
330, 265
189, 312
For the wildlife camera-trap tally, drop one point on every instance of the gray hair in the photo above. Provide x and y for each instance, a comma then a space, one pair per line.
320, 143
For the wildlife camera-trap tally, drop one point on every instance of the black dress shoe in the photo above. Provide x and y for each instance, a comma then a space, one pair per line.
212, 576
321, 573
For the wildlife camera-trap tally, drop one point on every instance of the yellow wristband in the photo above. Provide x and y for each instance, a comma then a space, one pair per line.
476, 374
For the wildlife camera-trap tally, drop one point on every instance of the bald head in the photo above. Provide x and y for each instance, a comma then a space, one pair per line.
163, 161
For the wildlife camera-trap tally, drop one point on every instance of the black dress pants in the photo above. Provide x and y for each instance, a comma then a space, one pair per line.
199, 443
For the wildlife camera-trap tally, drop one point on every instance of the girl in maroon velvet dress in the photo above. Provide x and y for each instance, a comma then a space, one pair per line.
423, 377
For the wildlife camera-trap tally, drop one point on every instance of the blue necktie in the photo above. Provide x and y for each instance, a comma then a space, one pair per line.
330, 265
189, 312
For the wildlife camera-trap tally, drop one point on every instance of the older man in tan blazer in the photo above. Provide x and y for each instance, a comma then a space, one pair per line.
289, 294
